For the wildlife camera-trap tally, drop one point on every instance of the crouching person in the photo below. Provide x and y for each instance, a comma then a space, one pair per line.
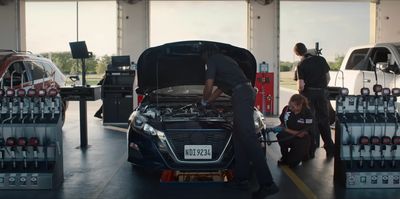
294, 138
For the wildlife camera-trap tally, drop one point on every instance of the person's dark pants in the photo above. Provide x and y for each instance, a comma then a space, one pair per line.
246, 145
318, 102
100, 111
298, 148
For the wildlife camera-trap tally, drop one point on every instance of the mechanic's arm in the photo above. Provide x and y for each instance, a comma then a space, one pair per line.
328, 78
299, 134
308, 121
300, 85
215, 95
300, 77
208, 87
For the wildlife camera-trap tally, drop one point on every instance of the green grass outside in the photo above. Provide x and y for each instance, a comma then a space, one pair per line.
91, 79
286, 80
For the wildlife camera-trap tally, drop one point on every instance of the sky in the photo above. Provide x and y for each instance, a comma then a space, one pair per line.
50, 26
335, 25
219, 21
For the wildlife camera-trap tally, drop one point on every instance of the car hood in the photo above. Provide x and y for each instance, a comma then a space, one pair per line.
180, 63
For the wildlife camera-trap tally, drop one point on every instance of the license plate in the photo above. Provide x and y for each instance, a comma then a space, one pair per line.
198, 152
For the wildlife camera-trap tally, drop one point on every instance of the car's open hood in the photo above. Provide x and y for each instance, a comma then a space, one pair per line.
180, 63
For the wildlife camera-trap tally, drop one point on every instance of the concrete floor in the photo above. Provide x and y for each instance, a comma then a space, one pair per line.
101, 171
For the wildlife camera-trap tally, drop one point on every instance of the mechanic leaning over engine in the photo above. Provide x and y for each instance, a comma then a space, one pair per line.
313, 79
225, 73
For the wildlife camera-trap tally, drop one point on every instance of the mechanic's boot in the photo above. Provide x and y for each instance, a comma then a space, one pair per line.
310, 155
282, 162
330, 151
265, 190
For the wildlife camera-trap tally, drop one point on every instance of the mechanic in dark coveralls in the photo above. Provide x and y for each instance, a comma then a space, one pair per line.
225, 73
294, 131
313, 78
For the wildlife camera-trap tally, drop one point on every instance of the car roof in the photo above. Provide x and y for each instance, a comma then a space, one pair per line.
9, 56
377, 45
4, 54
12, 55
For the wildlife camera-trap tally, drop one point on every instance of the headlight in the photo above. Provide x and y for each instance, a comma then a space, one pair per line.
149, 130
161, 135
138, 120
258, 120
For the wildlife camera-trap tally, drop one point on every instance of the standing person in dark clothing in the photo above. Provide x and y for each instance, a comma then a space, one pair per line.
99, 112
313, 78
296, 121
225, 73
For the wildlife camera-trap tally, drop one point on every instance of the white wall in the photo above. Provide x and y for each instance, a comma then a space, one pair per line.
133, 31
12, 23
387, 21
263, 39
134, 24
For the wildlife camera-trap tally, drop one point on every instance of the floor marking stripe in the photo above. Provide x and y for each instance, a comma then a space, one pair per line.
298, 182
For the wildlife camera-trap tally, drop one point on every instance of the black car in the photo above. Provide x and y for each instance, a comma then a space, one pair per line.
168, 130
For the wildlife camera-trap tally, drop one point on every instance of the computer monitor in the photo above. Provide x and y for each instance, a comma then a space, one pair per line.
79, 50
118, 61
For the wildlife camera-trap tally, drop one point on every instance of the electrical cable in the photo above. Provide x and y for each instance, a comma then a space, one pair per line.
280, 140
157, 83
350, 137
266, 135
396, 127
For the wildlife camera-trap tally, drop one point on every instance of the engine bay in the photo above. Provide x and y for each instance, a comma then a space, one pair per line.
172, 111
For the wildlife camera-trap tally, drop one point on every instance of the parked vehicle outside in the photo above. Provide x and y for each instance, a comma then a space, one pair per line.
365, 66
27, 70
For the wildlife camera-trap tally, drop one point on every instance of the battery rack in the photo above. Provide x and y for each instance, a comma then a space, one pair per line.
31, 154
367, 139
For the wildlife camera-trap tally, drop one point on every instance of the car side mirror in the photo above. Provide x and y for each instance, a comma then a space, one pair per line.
382, 65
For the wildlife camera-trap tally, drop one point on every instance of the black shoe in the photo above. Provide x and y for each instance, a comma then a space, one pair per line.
98, 116
282, 162
330, 151
309, 156
294, 165
239, 185
265, 190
